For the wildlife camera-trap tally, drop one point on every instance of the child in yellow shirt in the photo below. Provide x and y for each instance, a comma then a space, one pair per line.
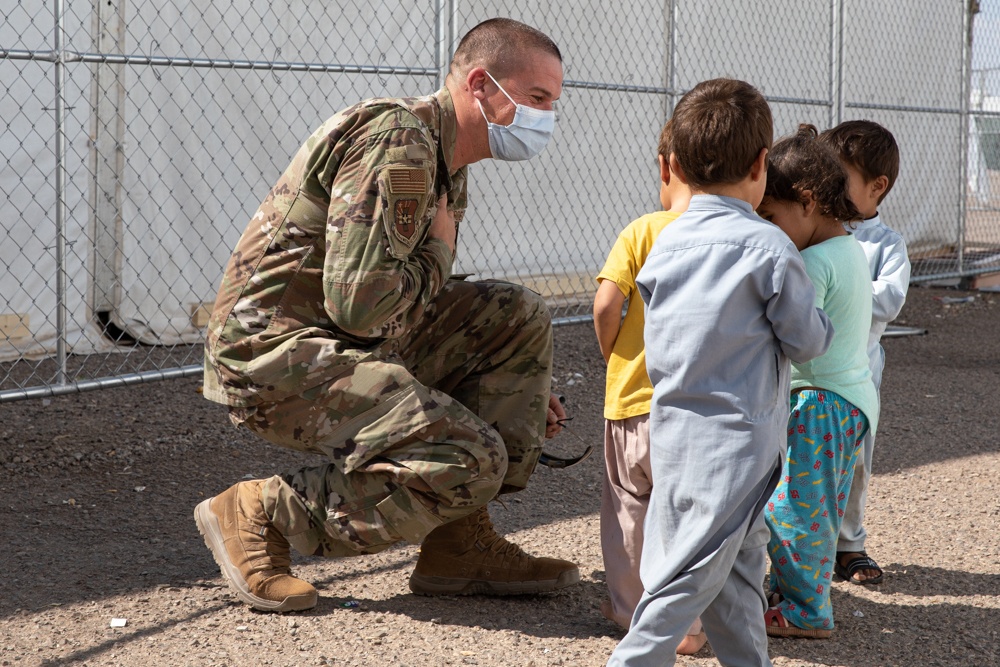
628, 391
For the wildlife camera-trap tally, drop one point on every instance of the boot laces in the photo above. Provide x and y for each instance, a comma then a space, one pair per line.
487, 536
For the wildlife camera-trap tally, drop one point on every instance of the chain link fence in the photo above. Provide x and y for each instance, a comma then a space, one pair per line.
139, 137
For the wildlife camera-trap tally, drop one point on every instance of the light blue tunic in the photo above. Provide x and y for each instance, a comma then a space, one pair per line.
889, 270
728, 304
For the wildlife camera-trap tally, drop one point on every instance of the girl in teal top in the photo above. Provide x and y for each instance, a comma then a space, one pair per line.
833, 399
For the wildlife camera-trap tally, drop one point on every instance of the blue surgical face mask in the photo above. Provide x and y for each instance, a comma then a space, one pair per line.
526, 135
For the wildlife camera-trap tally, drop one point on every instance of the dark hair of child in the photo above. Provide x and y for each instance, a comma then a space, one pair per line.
719, 129
800, 163
866, 146
666, 140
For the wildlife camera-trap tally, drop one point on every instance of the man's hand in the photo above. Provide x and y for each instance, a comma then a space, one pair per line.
556, 414
443, 225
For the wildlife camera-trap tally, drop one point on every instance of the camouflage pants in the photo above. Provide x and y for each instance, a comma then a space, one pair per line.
425, 433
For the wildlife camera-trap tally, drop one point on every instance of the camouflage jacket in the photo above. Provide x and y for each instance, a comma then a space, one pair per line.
336, 260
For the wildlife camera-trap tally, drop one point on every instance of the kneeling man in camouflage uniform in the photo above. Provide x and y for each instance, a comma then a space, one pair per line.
337, 331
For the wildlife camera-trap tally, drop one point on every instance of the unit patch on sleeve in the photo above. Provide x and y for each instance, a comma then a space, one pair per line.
406, 217
404, 199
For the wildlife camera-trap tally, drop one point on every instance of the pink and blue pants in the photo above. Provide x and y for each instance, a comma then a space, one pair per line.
804, 513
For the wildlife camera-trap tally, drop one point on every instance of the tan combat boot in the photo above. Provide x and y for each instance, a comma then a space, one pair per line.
467, 557
253, 555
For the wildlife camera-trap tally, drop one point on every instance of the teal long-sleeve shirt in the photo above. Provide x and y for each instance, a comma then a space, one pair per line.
839, 273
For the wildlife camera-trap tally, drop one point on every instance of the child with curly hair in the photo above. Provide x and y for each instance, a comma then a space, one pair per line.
833, 399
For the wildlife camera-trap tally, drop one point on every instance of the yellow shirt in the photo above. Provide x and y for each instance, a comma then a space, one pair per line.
628, 391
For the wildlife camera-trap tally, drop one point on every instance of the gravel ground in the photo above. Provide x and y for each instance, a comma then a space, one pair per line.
98, 490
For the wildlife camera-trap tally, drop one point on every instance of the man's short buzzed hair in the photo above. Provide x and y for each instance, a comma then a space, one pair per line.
719, 128
498, 45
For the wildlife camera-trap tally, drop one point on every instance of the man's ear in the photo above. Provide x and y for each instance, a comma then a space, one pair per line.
878, 186
476, 82
664, 169
675, 167
759, 168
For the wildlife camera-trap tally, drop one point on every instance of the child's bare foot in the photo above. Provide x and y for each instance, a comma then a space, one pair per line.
691, 644
608, 612
857, 567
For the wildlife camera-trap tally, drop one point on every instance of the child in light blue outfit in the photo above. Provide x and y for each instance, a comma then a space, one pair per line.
833, 400
728, 302
870, 156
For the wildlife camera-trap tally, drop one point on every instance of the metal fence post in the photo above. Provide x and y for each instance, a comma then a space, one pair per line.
672, 11
963, 117
836, 62
444, 30
107, 157
59, 75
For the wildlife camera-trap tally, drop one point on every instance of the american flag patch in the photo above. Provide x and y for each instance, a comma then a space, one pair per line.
404, 181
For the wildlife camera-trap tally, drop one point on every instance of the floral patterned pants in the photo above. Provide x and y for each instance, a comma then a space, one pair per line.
825, 433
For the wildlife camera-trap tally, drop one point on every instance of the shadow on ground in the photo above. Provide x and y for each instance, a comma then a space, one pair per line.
971, 632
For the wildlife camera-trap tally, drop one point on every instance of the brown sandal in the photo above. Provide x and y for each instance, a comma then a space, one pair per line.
778, 626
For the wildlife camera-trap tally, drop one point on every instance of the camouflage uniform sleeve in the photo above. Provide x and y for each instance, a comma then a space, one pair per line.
381, 269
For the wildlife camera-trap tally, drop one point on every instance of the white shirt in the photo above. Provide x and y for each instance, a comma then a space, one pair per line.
889, 267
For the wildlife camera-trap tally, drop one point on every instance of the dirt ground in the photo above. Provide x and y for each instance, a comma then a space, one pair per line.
98, 489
